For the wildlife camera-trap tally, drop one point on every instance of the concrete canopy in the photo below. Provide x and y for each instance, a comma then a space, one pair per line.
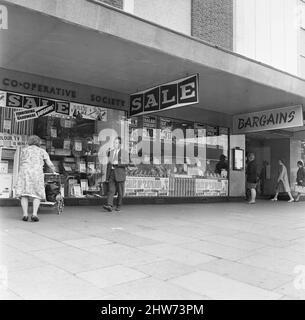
93, 44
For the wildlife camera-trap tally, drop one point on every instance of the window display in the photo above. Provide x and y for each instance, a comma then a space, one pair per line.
73, 146
193, 157
177, 158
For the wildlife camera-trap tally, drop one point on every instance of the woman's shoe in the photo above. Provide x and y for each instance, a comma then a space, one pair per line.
25, 218
34, 218
291, 200
273, 199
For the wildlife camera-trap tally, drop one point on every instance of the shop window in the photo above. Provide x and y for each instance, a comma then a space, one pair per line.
181, 159
169, 157
73, 144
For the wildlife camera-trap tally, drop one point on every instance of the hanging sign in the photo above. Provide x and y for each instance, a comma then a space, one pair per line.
280, 118
174, 94
23, 115
44, 110
81, 111
15, 100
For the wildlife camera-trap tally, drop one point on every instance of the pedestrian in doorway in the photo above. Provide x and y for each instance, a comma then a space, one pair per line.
251, 175
116, 174
263, 176
300, 178
282, 182
30, 182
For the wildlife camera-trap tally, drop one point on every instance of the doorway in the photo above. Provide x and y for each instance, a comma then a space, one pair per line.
268, 147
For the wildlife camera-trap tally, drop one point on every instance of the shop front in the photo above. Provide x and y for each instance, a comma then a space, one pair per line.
52, 82
169, 158
273, 135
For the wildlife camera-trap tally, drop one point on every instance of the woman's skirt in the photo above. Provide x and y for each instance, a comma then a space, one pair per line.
281, 187
30, 184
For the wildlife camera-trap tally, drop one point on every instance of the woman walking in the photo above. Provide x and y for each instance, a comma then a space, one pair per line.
282, 183
30, 182
300, 178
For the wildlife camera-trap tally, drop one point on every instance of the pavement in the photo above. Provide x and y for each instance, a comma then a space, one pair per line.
180, 252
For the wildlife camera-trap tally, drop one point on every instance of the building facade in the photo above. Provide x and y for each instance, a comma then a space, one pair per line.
269, 31
70, 82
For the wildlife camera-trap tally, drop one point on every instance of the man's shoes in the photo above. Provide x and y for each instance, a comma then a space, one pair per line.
118, 209
107, 207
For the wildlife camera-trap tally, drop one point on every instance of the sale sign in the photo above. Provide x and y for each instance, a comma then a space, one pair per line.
174, 94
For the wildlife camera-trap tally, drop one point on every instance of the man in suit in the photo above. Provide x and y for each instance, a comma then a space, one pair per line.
116, 174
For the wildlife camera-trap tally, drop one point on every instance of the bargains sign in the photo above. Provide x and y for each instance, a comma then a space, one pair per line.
280, 118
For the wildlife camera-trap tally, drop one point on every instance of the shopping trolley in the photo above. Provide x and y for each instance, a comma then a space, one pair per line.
54, 197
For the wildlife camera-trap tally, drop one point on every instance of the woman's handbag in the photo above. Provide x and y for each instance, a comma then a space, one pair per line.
299, 189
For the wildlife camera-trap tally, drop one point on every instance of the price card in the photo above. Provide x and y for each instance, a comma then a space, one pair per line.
166, 134
95, 139
78, 146
67, 144
3, 167
82, 167
7, 125
67, 123
77, 191
53, 132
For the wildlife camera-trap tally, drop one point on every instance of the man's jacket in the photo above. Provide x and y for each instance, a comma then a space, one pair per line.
119, 168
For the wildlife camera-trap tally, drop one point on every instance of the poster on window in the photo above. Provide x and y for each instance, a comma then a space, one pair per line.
149, 127
146, 186
6, 185
12, 140
82, 111
211, 188
166, 126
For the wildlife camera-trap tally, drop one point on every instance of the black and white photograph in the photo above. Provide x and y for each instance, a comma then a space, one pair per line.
152, 150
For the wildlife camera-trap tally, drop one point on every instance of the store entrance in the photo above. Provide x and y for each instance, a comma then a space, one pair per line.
268, 147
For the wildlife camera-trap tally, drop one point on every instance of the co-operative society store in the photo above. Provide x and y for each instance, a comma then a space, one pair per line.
77, 136
89, 68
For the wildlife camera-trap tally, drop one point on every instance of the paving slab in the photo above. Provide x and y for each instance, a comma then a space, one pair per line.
221, 288
181, 251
